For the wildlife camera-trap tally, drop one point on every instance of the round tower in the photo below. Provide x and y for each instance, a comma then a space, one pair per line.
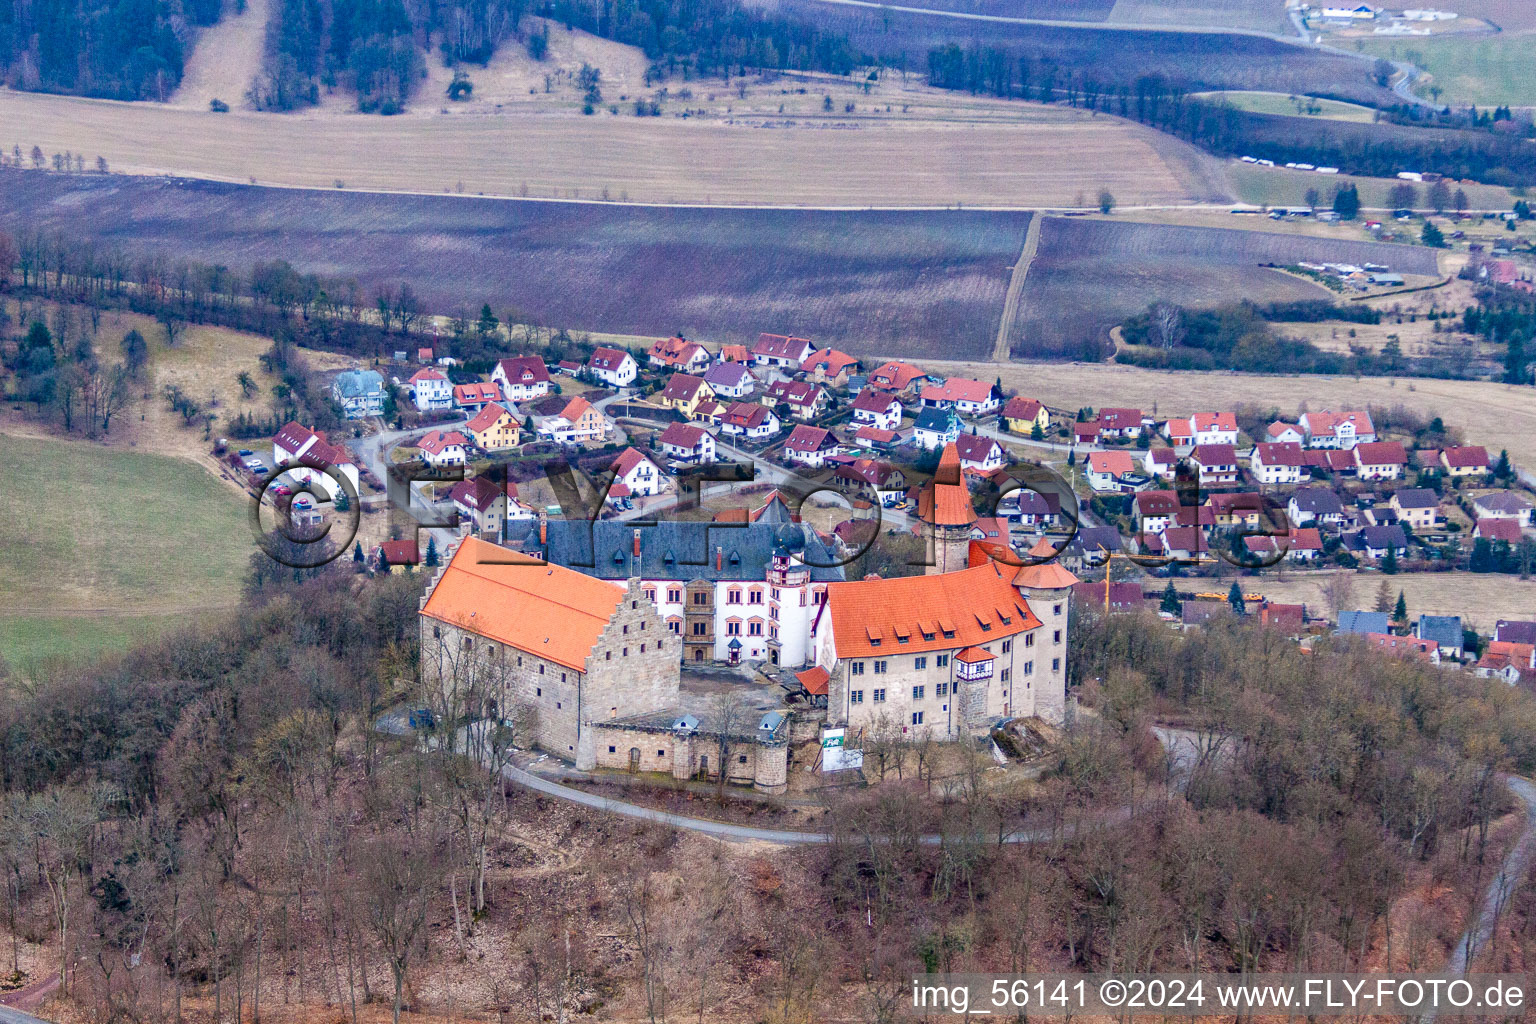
945, 508
1047, 586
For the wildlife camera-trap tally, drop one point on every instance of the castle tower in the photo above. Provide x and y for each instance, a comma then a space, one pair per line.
945, 508
1047, 585
789, 607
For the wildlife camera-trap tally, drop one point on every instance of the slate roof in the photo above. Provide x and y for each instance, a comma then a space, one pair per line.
1355, 622
671, 550
359, 383
1444, 630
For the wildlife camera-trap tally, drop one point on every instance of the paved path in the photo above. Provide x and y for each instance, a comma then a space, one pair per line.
1496, 899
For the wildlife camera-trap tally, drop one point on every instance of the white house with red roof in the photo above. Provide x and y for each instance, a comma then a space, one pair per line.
781, 350
521, 378
980, 454
810, 446
1213, 428
805, 400
730, 380
1163, 462
614, 367
487, 504
1115, 423
829, 367
570, 421
687, 443
476, 396
637, 472
678, 354
1215, 464
1380, 460
1277, 462
749, 420
878, 409
1465, 460
896, 376
1326, 429
431, 390
1107, 470
966, 396
1283, 433
303, 458
443, 448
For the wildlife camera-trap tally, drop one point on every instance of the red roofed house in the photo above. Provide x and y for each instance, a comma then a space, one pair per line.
829, 367
521, 378
614, 367
1215, 464
1468, 460
1283, 433
876, 408
780, 350
1292, 618
1380, 460
810, 446
1507, 661
965, 396
749, 420
1409, 647
1106, 470
898, 377
570, 421
980, 454
443, 448
488, 504
1337, 429
1119, 423
949, 653
494, 429
307, 457
396, 554
635, 470
806, 401
1277, 462
1022, 415
431, 390
684, 392
476, 396
679, 354
1201, 428
687, 443
1507, 530
1085, 432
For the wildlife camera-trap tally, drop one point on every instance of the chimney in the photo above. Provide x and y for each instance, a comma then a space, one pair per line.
636, 549
719, 557
543, 527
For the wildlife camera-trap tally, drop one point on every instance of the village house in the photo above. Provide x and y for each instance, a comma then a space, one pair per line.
1085, 432
1315, 506
1299, 544
1022, 415
1120, 423
521, 378
687, 444
360, 393
935, 428
1362, 623
1234, 510
1407, 647
1337, 430
882, 481
1330, 461
1515, 631
810, 446
780, 351
733, 594
1374, 542
1507, 661
494, 429
829, 367
1467, 460
805, 401
678, 354
1283, 433
1380, 460
749, 420
1503, 505
476, 396
614, 367
946, 654
874, 437
568, 420
396, 556
878, 409
1202, 428
1215, 464
443, 448
1181, 543
730, 380
637, 474
684, 392
1276, 462
1113, 471
1153, 510
1493, 530
1160, 463
709, 412
980, 455
1445, 631
487, 504
900, 379
309, 462
431, 390
733, 354
1418, 508
967, 397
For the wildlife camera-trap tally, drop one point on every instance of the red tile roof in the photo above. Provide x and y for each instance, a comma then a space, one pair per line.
293, 437
894, 376
1215, 455
958, 389
1021, 408
974, 447
436, 441
476, 393
746, 414
401, 552
682, 435
1381, 453
675, 351
1119, 419
607, 358
814, 679
681, 387
946, 500
806, 438
628, 459
779, 346
1472, 456
524, 369
426, 374
975, 606
873, 400
1279, 453
486, 418
829, 361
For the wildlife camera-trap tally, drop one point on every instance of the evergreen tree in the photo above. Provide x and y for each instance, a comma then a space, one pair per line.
1171, 603
357, 553
1502, 469
1482, 556
1035, 433
1389, 563
432, 556
1235, 598
1400, 613
1346, 203
1432, 236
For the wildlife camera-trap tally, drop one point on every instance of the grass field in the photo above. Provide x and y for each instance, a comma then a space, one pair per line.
1508, 15
1480, 598
1292, 106
100, 544
899, 282
1092, 273
1279, 186
1495, 415
1480, 69
1043, 156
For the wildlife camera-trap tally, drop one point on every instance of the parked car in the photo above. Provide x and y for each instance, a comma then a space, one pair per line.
245, 453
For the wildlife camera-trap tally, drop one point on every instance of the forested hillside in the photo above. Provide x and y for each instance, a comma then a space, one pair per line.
118, 49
